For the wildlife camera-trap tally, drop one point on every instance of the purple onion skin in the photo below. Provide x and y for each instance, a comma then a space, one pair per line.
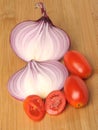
47, 19
21, 99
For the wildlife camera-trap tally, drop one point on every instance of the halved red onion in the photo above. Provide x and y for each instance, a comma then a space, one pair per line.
38, 78
39, 40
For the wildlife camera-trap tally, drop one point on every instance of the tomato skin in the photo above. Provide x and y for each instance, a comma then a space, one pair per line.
55, 102
76, 91
77, 64
34, 107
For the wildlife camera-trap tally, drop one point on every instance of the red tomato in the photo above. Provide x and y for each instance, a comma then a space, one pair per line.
55, 102
76, 91
34, 107
77, 64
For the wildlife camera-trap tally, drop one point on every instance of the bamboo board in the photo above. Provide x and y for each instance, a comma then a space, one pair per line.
79, 18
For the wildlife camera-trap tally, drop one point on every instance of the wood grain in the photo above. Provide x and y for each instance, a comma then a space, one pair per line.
79, 18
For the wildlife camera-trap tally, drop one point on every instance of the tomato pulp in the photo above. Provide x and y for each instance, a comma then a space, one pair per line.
34, 107
55, 102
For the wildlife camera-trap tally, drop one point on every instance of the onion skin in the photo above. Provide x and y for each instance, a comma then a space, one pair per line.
39, 40
37, 78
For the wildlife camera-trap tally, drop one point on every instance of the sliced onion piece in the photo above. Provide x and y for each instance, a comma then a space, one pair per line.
38, 78
39, 40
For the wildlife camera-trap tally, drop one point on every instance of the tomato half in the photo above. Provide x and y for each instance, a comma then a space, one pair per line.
76, 91
77, 64
55, 102
34, 107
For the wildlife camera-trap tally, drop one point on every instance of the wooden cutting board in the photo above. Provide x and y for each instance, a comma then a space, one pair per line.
79, 18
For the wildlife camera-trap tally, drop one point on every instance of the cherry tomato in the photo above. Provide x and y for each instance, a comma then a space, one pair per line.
34, 107
77, 64
55, 102
76, 91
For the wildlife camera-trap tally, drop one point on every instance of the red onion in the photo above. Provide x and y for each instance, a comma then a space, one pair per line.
39, 78
39, 40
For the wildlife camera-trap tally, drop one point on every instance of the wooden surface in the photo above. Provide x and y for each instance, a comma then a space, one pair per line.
80, 19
